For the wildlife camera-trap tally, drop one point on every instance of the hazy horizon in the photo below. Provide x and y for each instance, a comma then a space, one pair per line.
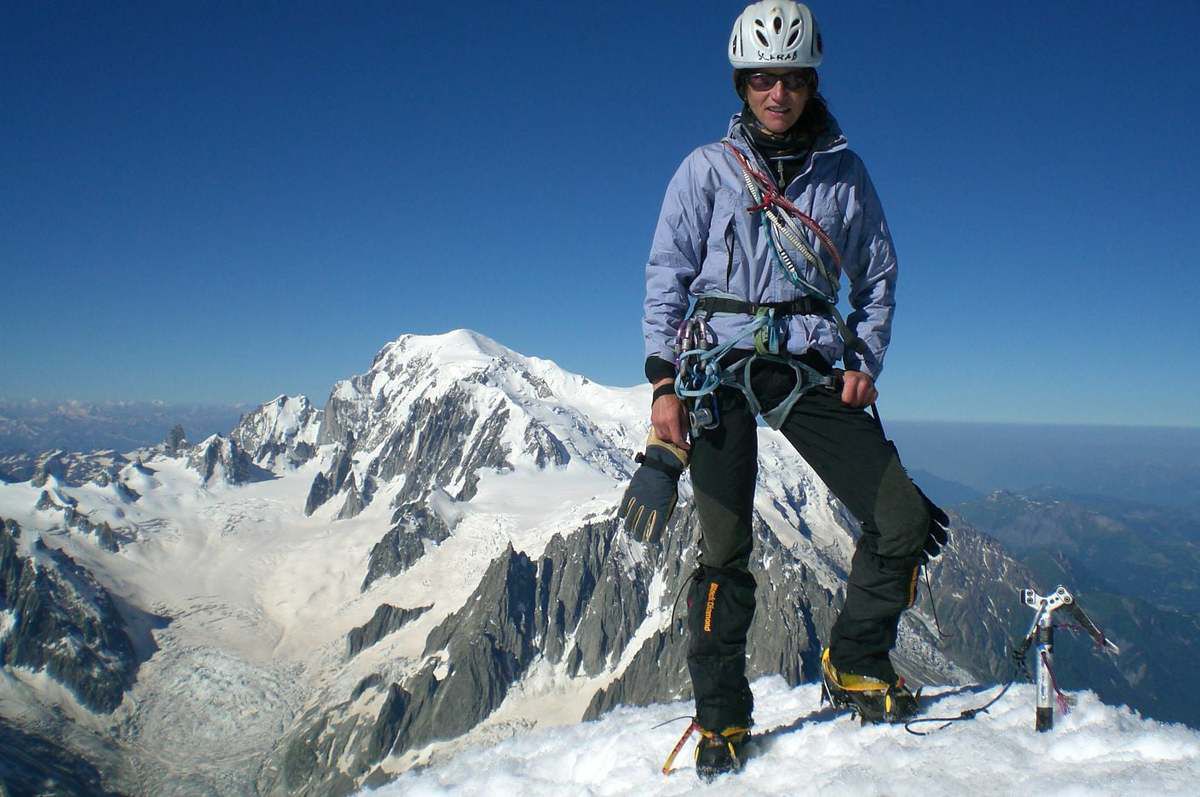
1152, 464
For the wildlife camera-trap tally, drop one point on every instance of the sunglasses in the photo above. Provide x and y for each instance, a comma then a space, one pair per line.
792, 81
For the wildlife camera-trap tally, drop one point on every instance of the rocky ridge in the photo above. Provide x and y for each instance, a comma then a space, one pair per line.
61, 621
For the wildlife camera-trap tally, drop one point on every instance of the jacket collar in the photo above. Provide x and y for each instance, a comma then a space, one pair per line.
832, 140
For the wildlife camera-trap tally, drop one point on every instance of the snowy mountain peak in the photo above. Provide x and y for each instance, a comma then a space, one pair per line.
280, 433
219, 459
463, 346
441, 410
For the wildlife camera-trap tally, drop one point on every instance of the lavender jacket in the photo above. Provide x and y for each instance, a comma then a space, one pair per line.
707, 244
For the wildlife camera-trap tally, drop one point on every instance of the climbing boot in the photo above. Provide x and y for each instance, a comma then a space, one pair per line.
871, 699
718, 753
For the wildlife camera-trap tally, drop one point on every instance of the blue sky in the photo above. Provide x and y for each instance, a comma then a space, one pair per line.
222, 202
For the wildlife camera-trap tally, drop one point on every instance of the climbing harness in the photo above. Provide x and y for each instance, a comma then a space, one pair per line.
698, 355
699, 372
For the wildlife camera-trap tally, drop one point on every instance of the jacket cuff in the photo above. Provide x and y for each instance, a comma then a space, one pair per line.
657, 368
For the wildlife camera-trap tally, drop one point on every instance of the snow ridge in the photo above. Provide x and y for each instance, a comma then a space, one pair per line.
1096, 749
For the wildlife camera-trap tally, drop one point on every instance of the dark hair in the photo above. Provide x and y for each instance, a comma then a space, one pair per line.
815, 119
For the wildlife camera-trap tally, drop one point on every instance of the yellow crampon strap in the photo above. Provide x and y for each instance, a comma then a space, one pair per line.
692, 728
849, 681
726, 735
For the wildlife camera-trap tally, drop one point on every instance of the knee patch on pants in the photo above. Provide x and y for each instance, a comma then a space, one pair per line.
901, 513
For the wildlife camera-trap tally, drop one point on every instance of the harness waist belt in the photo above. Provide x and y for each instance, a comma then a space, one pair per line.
806, 305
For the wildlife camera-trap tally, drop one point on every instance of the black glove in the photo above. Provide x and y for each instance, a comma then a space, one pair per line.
939, 529
650, 498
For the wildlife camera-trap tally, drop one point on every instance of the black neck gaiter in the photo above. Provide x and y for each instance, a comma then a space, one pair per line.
786, 153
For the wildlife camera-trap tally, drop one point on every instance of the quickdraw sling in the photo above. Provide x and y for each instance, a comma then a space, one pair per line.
779, 217
698, 355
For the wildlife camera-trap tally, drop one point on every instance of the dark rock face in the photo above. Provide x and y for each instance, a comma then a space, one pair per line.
302, 766
320, 492
658, 671
73, 470
590, 587
440, 443
343, 416
485, 647
66, 624
386, 619
791, 624
176, 440
372, 681
415, 525
387, 727
51, 464
327, 485
271, 433
31, 765
488, 644
106, 537
544, 446
18, 467
355, 501
976, 587
236, 463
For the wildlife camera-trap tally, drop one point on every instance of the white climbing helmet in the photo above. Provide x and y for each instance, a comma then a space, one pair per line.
779, 33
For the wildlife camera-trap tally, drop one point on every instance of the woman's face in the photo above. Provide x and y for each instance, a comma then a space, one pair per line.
777, 107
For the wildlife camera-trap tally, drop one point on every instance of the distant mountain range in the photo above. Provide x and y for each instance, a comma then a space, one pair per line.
35, 426
322, 599
1136, 571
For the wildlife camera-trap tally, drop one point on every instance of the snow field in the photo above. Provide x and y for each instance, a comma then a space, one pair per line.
1096, 749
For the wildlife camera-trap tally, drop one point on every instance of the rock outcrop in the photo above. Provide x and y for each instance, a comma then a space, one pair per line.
63, 623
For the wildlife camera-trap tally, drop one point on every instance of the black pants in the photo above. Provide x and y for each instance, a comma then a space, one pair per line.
847, 449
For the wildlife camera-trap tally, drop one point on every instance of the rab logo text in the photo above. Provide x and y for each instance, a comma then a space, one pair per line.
708, 606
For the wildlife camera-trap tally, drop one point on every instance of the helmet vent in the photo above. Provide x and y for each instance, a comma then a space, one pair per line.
772, 33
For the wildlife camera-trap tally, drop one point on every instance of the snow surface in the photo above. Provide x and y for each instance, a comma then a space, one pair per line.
8, 621
1096, 749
